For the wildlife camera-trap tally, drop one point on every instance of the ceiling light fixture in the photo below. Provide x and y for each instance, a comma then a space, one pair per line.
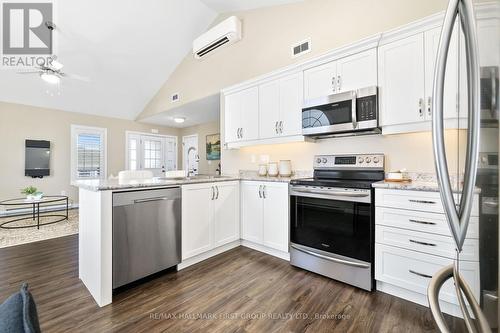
179, 120
51, 78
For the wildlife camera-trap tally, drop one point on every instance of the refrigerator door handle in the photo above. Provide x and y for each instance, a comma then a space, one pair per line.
458, 220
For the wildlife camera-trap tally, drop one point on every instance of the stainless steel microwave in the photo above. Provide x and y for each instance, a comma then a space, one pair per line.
348, 113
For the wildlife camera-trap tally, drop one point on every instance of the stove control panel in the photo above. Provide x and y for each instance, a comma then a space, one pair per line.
349, 161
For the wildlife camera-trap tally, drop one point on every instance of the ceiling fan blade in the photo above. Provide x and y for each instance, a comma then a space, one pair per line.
56, 65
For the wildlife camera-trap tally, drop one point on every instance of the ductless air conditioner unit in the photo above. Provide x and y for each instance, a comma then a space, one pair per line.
225, 33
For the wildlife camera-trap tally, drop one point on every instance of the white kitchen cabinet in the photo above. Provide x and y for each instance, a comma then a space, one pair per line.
241, 111
197, 224
275, 217
252, 212
210, 216
264, 214
226, 213
320, 80
413, 242
357, 71
349, 73
402, 81
280, 103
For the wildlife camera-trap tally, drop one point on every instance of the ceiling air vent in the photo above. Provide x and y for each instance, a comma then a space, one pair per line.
301, 48
174, 98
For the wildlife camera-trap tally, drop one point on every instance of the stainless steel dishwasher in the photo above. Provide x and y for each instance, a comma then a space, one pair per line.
146, 233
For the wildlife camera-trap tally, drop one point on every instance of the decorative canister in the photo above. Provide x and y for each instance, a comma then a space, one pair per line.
272, 169
285, 168
263, 170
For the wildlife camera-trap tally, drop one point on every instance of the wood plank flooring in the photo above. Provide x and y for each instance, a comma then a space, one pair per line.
241, 290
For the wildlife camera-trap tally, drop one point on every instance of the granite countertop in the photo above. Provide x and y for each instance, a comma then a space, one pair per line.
252, 175
415, 185
115, 184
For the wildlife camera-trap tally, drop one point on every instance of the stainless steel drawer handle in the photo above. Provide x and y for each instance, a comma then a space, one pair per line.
340, 194
422, 201
422, 222
421, 243
420, 274
150, 199
340, 261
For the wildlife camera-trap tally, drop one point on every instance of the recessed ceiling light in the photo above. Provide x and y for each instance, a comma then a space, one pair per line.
179, 120
50, 78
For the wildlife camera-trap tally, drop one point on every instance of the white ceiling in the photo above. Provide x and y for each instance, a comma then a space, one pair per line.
204, 110
222, 6
127, 48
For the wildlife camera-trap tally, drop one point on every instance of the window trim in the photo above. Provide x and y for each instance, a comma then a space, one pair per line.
75, 129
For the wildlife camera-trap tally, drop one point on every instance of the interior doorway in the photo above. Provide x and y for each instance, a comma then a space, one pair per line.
190, 154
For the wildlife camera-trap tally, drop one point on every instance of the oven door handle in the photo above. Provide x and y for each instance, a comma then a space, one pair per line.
340, 261
333, 194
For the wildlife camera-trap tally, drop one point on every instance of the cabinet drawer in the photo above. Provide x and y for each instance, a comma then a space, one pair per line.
421, 221
413, 270
428, 243
415, 200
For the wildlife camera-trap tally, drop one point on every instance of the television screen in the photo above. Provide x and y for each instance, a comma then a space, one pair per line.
37, 158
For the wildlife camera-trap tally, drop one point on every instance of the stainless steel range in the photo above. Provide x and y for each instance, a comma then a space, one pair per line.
332, 218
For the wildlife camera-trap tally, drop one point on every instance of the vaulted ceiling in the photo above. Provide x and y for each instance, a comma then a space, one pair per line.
127, 49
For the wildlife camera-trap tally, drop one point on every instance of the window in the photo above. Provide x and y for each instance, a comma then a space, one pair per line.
157, 153
88, 152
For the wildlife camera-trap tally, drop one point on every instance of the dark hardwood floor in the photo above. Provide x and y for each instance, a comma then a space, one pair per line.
241, 290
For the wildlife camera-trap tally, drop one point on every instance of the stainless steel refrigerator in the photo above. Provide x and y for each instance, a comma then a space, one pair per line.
466, 153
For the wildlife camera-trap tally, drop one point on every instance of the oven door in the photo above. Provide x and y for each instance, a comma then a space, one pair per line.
336, 224
334, 113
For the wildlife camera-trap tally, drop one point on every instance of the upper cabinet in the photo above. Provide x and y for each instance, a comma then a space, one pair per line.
344, 74
280, 103
401, 81
406, 75
242, 115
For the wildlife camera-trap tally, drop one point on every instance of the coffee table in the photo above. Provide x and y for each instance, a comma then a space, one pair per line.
35, 216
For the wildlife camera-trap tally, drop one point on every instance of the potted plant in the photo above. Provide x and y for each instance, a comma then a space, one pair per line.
32, 193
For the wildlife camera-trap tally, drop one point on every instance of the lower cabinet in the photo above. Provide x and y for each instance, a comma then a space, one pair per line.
264, 214
210, 216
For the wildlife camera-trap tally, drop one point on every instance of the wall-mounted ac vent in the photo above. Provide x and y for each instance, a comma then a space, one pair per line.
224, 33
174, 98
301, 48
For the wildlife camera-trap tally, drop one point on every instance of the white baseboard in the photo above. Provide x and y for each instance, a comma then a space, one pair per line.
449, 308
28, 210
204, 256
266, 250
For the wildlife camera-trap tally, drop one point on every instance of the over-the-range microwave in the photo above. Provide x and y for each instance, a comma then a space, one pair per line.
349, 113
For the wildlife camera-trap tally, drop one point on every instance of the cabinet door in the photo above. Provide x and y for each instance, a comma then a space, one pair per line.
401, 81
431, 38
290, 101
249, 120
269, 109
227, 213
357, 71
251, 212
320, 81
276, 216
197, 224
232, 114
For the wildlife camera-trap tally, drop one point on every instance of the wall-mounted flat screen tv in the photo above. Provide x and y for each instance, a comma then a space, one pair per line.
37, 158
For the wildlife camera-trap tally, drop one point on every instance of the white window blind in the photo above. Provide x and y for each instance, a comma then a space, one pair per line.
88, 152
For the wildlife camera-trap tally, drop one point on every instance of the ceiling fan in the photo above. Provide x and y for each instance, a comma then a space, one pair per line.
52, 72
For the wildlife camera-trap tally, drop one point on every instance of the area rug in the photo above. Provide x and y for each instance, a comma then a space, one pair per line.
12, 237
